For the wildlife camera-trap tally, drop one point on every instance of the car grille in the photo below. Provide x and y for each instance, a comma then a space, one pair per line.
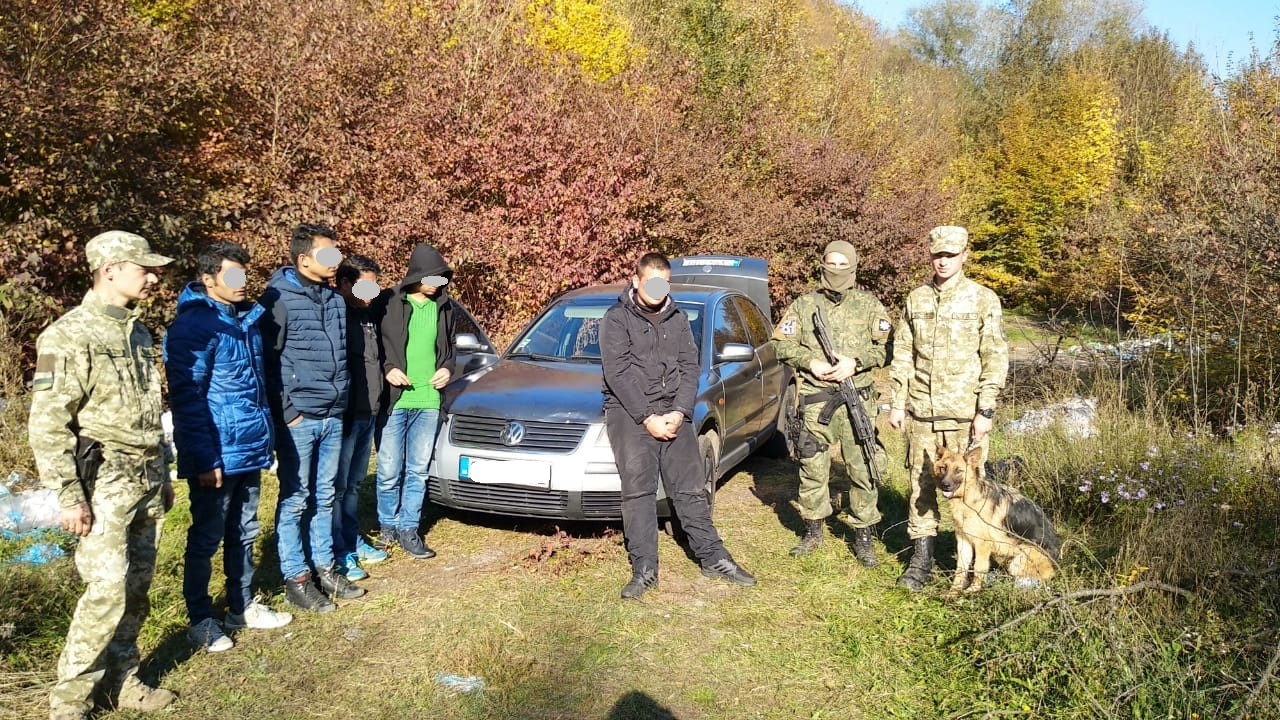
513, 500
482, 432
503, 498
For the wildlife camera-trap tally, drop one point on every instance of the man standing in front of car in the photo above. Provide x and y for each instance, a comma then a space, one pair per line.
950, 359
650, 382
859, 334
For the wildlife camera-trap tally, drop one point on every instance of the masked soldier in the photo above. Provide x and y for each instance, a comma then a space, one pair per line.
950, 360
859, 332
95, 431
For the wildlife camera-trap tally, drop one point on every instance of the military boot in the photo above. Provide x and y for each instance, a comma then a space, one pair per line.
812, 539
862, 548
137, 695
921, 567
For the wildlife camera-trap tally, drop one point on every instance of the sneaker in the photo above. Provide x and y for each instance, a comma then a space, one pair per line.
368, 554
349, 566
257, 617
137, 695
207, 635
300, 592
641, 582
338, 586
727, 569
387, 539
413, 545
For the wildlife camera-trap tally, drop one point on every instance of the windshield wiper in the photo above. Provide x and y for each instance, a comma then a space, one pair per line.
584, 358
535, 356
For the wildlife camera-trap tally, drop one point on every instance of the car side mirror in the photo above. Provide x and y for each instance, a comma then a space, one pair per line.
736, 353
467, 342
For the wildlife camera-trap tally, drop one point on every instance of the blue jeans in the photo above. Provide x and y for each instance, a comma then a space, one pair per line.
308, 454
353, 466
407, 441
229, 516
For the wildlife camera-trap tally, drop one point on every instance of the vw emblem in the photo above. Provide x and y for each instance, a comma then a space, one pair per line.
512, 434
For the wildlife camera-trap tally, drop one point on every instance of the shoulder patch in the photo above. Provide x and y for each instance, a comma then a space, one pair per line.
43, 379
883, 325
788, 328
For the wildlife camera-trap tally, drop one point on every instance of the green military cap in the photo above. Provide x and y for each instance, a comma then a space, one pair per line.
951, 239
119, 246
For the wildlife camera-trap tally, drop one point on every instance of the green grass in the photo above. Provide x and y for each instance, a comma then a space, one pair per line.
536, 613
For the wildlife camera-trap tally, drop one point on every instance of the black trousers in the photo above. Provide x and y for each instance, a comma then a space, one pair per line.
641, 460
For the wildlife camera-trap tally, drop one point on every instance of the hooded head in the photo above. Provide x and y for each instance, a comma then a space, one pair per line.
839, 267
427, 267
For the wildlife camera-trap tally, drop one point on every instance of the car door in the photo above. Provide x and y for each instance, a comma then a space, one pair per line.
772, 373
739, 381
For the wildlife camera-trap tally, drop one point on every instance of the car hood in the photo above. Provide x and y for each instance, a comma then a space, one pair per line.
532, 390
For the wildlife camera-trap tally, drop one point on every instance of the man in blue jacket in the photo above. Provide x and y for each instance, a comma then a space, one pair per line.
305, 342
222, 429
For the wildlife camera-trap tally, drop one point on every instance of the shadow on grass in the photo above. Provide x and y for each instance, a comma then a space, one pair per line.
636, 705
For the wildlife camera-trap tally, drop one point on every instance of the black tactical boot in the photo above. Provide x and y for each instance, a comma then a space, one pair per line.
862, 548
641, 581
337, 585
921, 567
812, 539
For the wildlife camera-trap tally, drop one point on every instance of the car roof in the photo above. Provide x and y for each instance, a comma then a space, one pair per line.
700, 294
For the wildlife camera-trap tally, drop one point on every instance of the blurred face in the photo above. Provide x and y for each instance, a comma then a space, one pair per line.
652, 294
362, 291
322, 262
129, 282
228, 285
947, 265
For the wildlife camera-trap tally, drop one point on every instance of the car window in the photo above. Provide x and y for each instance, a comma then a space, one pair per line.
728, 326
757, 327
571, 331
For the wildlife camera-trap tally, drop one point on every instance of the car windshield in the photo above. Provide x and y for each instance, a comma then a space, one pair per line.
571, 331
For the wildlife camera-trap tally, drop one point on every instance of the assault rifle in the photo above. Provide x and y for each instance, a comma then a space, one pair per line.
848, 396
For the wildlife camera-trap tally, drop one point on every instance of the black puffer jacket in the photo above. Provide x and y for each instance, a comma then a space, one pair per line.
650, 359
424, 262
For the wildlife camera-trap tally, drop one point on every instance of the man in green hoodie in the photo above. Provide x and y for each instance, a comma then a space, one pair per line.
417, 341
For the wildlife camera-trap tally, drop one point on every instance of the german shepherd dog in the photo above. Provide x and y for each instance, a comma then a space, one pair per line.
993, 520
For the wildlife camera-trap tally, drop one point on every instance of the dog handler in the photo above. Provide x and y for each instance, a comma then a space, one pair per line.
950, 359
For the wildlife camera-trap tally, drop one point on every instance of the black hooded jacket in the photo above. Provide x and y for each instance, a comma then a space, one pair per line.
424, 262
650, 360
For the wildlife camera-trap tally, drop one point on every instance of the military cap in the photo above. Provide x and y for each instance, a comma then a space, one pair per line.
951, 239
119, 246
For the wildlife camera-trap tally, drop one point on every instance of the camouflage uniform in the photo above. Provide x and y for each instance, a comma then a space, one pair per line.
96, 377
859, 328
950, 360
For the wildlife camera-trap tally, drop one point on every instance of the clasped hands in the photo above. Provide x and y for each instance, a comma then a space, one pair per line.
844, 369
664, 427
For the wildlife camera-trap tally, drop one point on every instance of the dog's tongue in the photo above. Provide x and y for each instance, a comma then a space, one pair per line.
948, 494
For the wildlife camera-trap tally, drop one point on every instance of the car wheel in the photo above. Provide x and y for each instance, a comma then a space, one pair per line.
709, 450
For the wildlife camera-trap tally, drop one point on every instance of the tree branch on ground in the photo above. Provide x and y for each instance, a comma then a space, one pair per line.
1080, 594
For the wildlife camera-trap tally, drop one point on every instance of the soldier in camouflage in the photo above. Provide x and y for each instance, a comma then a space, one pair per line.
949, 364
860, 331
95, 431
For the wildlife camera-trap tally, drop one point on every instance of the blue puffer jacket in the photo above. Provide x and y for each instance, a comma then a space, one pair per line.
305, 337
217, 387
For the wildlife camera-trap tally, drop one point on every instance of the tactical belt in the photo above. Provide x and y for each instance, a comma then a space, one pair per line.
825, 396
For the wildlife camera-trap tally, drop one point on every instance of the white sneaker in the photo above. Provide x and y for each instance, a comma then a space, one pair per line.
208, 634
258, 617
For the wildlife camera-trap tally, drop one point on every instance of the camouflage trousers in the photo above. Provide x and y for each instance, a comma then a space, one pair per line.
116, 561
815, 471
923, 439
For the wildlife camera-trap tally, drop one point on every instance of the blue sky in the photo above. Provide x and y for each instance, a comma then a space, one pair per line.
1216, 28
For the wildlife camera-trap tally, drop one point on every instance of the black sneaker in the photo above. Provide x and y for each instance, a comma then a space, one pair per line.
641, 582
337, 585
414, 547
387, 539
300, 592
729, 570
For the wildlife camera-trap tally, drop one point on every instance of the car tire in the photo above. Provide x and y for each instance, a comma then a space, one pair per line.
709, 452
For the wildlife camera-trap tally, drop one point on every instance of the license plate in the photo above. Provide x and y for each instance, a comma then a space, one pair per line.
530, 473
